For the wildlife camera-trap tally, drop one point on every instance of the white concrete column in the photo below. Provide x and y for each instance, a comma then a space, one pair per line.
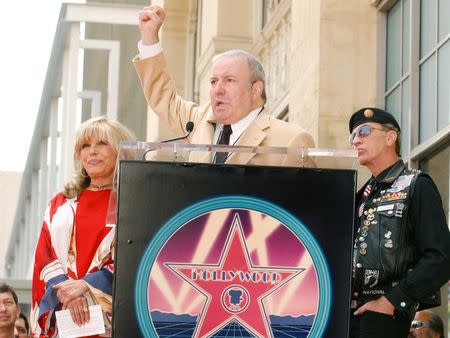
52, 180
43, 177
31, 236
69, 96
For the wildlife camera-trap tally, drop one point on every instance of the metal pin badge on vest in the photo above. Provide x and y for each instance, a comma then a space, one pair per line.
363, 248
399, 209
388, 244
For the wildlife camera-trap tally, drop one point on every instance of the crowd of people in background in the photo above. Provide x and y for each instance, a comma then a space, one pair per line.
13, 323
426, 324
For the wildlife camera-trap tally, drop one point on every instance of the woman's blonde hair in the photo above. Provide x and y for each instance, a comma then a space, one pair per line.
101, 128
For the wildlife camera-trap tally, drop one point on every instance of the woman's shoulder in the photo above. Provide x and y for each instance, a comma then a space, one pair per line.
57, 200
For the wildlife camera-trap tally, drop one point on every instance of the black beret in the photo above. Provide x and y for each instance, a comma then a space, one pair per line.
365, 115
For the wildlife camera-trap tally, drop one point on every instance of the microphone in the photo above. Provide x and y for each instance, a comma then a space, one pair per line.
189, 129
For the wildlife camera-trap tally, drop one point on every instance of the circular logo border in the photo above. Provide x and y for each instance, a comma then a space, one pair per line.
246, 293
232, 202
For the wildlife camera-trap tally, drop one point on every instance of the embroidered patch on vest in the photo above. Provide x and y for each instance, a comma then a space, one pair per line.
403, 181
371, 277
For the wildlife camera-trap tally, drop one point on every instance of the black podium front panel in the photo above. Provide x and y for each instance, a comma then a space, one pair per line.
232, 251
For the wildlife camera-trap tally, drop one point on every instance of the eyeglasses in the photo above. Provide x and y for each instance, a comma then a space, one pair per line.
363, 131
417, 324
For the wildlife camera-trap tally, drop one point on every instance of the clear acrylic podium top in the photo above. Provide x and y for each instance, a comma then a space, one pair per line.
204, 153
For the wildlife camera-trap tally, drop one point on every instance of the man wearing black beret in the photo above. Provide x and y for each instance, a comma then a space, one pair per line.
402, 242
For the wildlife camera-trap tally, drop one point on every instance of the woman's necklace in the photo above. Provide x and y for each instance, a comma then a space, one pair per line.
101, 187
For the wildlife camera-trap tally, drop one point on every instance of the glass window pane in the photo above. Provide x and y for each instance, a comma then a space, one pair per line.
393, 50
444, 85
406, 36
444, 21
438, 166
393, 104
427, 98
427, 26
405, 121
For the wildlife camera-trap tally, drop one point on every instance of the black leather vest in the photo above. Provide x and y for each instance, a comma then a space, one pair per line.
384, 248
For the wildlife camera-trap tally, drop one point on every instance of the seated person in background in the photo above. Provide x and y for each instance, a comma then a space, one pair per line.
235, 115
9, 310
22, 328
73, 263
426, 324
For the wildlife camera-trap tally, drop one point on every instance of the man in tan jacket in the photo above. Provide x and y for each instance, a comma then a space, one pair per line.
237, 103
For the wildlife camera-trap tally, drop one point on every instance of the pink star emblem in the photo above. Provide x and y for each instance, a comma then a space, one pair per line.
234, 289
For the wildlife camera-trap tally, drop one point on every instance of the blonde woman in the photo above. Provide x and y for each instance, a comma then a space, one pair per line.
73, 261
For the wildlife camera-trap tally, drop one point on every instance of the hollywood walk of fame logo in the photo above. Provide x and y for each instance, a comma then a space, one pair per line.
235, 299
232, 264
234, 288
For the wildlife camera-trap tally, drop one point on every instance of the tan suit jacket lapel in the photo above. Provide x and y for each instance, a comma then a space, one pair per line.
253, 136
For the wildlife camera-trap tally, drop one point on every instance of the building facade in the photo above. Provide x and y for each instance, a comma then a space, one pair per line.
10, 182
323, 59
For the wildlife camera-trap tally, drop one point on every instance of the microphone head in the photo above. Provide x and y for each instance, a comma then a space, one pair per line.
189, 126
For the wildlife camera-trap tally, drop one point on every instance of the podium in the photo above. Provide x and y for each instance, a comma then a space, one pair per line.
208, 250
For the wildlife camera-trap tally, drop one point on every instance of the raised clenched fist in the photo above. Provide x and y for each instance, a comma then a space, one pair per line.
151, 19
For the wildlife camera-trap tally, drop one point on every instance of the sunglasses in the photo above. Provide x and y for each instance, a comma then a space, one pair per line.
417, 324
363, 131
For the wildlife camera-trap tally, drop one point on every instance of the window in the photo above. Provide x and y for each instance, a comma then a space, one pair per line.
418, 37
417, 85
397, 86
437, 164
434, 92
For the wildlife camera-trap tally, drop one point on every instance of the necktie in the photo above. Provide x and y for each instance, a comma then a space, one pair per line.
223, 139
